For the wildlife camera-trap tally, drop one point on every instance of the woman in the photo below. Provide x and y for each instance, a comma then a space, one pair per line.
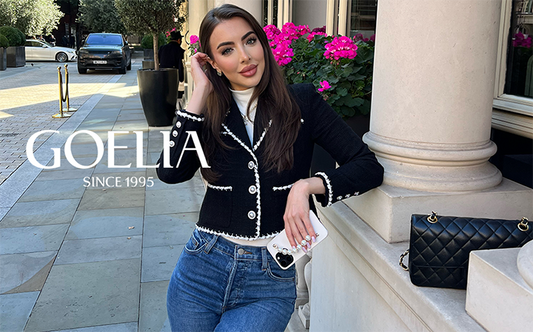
257, 135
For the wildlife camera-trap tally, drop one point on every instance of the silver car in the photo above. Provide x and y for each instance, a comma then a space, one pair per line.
41, 50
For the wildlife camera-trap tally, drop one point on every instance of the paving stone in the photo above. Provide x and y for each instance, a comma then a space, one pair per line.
171, 229
125, 327
65, 165
40, 213
31, 239
99, 249
153, 313
106, 223
65, 174
60, 189
169, 201
15, 310
111, 198
159, 262
195, 183
88, 294
19, 269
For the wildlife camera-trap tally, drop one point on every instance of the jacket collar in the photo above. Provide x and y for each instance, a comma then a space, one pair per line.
235, 124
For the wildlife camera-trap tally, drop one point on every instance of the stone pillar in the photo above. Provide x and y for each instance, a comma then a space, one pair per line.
432, 94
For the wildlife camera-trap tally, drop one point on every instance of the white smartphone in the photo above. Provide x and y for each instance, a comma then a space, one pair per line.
281, 249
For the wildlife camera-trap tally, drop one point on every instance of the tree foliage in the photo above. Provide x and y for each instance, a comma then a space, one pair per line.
100, 16
150, 16
32, 17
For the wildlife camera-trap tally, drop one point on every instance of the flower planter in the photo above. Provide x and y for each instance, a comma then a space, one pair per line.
158, 92
3, 58
16, 56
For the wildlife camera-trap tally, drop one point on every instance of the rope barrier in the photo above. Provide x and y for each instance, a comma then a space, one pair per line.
65, 97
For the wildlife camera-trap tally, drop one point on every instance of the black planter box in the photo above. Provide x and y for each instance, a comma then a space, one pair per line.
3, 58
148, 53
148, 64
158, 90
16, 56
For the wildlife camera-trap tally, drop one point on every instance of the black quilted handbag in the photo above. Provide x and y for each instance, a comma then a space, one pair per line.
439, 246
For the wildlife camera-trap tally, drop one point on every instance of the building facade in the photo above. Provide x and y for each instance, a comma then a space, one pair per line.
452, 124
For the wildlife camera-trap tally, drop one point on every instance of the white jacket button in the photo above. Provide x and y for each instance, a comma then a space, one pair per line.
251, 214
251, 165
252, 189
171, 143
175, 133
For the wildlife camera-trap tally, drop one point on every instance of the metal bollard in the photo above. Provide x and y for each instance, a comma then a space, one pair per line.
61, 114
67, 94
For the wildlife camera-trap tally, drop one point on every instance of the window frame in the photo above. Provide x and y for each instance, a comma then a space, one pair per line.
510, 113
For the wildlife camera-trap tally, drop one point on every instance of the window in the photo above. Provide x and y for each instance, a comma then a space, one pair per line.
363, 17
519, 75
513, 103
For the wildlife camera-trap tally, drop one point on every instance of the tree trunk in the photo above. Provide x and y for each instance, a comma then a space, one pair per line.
155, 37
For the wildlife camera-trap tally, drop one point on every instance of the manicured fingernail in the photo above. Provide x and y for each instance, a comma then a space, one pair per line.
305, 250
309, 246
314, 239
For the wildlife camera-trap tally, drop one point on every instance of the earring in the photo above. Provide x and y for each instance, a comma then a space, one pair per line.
219, 73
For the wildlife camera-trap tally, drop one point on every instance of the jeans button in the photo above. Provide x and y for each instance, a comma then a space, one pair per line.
240, 251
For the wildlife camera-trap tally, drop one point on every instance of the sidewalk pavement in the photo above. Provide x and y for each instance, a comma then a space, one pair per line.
95, 258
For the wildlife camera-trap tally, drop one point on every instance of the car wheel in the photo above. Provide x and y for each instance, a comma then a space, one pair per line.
61, 57
82, 70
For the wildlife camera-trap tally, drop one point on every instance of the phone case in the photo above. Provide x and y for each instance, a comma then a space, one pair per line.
286, 258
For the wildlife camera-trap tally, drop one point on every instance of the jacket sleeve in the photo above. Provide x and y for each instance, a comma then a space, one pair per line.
180, 134
358, 171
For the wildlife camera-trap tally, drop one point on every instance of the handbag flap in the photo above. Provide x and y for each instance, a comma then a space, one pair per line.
439, 251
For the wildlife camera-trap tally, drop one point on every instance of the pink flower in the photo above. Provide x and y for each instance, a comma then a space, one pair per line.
313, 34
194, 39
341, 47
521, 40
271, 31
322, 29
324, 86
283, 53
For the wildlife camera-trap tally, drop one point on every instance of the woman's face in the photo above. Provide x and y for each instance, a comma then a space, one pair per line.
237, 53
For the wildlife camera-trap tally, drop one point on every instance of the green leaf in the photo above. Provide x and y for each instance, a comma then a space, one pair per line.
342, 92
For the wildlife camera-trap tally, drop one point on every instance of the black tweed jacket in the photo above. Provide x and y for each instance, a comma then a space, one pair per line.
247, 202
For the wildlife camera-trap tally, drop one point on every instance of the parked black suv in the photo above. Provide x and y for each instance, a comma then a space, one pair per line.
104, 51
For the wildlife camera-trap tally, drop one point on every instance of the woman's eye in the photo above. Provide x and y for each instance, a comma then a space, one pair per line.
251, 41
226, 51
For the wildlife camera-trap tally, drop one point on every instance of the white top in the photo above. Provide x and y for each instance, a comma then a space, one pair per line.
242, 98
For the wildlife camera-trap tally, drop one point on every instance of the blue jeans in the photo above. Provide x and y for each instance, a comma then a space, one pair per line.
218, 285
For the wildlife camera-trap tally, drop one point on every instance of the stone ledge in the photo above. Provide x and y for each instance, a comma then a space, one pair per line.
388, 209
497, 296
419, 308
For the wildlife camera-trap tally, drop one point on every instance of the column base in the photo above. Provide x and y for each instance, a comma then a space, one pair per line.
388, 209
496, 292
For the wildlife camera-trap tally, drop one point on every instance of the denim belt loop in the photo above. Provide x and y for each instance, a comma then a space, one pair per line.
211, 244
264, 256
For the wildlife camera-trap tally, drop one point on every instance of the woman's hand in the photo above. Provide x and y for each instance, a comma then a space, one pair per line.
297, 224
202, 85
198, 61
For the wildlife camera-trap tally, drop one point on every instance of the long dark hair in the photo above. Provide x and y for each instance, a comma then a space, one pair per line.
274, 100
